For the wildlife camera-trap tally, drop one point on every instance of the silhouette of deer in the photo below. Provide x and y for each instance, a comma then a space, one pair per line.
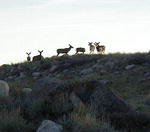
38, 57
64, 51
28, 58
100, 48
92, 47
80, 49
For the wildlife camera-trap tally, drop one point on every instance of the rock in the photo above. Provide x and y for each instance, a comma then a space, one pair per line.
105, 82
101, 97
147, 101
147, 75
86, 71
75, 100
49, 126
129, 67
27, 90
97, 66
22, 75
36, 74
4, 89
107, 101
110, 65
46, 85
53, 68
10, 78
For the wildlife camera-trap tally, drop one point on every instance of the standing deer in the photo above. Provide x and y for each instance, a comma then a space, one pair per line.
100, 48
64, 51
92, 47
80, 49
38, 57
28, 58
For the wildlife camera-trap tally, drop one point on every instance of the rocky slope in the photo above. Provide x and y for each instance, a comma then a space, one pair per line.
84, 93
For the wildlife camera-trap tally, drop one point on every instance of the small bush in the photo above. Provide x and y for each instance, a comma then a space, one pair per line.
136, 59
11, 121
132, 122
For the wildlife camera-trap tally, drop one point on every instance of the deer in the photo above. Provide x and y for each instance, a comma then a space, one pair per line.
92, 47
38, 57
28, 58
64, 50
80, 49
100, 48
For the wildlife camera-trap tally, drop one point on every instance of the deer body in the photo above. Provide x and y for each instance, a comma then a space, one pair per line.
28, 58
100, 48
80, 49
38, 57
92, 47
64, 51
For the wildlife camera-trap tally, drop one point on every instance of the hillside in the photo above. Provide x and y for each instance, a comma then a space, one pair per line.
81, 93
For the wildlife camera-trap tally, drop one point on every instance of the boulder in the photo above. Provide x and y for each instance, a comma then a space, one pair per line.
46, 86
22, 75
53, 68
147, 100
100, 96
27, 90
105, 82
147, 75
36, 74
129, 67
4, 89
105, 100
75, 100
110, 65
86, 71
49, 126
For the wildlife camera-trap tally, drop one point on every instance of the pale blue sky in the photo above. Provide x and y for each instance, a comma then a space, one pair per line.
29, 25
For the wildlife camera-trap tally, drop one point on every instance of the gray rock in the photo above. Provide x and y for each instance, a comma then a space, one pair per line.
101, 97
36, 74
98, 66
105, 82
129, 67
22, 75
53, 68
86, 71
110, 65
49, 126
147, 75
4, 89
75, 100
27, 90
46, 85
10, 78
107, 101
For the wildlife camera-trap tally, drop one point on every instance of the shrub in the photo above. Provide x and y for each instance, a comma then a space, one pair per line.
138, 122
11, 121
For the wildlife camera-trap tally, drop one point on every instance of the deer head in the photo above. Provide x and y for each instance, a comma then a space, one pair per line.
28, 53
70, 46
40, 52
90, 43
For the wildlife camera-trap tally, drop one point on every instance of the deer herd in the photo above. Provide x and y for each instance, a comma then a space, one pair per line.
92, 46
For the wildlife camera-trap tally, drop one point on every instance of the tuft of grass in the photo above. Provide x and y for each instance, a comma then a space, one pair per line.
11, 121
83, 119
